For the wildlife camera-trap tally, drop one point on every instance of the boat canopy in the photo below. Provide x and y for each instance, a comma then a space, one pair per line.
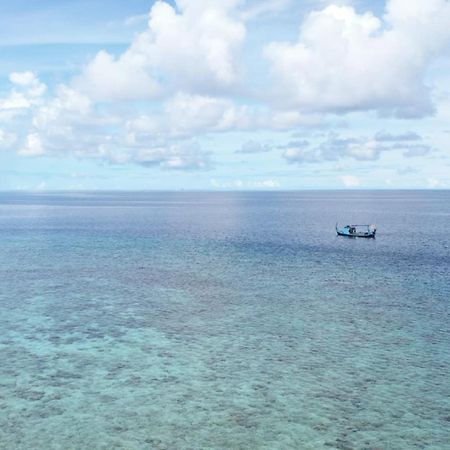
368, 226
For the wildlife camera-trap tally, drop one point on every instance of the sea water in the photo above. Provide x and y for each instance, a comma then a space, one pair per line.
224, 321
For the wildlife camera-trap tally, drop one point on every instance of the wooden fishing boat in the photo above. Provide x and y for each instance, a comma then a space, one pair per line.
362, 231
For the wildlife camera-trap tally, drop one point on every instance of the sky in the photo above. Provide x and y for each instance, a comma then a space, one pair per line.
224, 94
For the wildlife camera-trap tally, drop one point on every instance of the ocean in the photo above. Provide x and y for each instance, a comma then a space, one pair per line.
190, 320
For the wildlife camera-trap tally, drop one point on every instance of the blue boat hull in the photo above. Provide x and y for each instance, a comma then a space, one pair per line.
368, 231
355, 235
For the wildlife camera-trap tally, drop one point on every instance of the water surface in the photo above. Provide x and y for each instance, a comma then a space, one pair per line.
224, 321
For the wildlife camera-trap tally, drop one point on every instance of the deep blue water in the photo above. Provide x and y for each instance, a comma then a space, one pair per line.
224, 321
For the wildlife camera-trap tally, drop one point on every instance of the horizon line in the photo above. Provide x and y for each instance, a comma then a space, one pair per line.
49, 191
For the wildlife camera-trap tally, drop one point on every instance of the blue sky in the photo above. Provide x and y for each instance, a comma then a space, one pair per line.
224, 95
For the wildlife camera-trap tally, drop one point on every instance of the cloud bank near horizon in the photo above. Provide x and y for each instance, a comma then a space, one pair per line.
188, 75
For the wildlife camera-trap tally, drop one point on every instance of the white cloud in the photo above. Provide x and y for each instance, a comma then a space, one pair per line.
186, 74
346, 61
190, 113
435, 183
268, 184
109, 79
413, 151
69, 124
252, 147
265, 7
186, 114
176, 156
350, 181
33, 146
28, 80
27, 92
61, 125
196, 48
245, 184
135, 20
364, 151
298, 154
200, 44
15, 100
361, 148
22, 78
58, 113
409, 136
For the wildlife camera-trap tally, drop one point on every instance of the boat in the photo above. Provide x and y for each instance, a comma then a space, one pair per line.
362, 231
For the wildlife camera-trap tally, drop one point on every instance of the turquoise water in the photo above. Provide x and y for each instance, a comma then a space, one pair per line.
224, 321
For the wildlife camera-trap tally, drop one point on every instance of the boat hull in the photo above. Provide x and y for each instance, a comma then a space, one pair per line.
356, 235
367, 232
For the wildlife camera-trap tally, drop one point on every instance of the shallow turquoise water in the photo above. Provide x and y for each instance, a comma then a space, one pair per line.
224, 321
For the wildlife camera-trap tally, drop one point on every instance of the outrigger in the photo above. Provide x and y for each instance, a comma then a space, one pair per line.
363, 231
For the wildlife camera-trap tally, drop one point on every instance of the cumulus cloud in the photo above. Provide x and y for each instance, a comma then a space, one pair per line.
69, 124
296, 143
361, 148
345, 61
61, 125
115, 148
413, 151
22, 78
29, 81
298, 152
59, 113
33, 146
298, 155
194, 45
412, 144
252, 146
177, 156
186, 114
184, 72
27, 92
106, 78
383, 136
